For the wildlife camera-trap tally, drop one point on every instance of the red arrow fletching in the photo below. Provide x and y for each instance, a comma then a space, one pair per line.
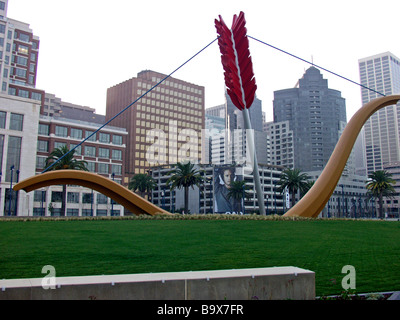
236, 61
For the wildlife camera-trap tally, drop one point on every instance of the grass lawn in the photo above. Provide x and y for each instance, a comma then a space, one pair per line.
96, 247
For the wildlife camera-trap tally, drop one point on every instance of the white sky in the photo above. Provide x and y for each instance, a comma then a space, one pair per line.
87, 46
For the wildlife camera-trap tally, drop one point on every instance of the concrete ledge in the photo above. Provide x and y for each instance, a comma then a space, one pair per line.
278, 283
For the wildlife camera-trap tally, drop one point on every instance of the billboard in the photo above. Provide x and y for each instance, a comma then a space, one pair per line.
223, 176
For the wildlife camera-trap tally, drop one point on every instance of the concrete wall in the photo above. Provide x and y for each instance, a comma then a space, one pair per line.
278, 283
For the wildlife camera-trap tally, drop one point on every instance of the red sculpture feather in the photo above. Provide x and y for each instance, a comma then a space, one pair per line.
236, 60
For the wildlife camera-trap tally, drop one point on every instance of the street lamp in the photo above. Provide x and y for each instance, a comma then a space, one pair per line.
342, 200
243, 204
112, 201
10, 193
163, 198
16, 195
275, 196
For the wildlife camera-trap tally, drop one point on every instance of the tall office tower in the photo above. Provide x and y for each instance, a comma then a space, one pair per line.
175, 108
381, 73
231, 146
316, 117
234, 117
19, 49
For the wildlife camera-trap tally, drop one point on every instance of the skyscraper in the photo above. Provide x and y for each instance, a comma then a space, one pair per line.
175, 108
316, 117
381, 73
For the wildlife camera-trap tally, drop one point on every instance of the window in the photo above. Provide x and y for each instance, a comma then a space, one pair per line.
87, 212
36, 95
103, 167
101, 212
20, 60
92, 138
73, 212
104, 137
90, 151
73, 197
78, 150
42, 146
13, 156
23, 93
117, 169
117, 140
3, 119
76, 133
61, 131
23, 49
117, 154
58, 145
56, 196
104, 153
24, 37
101, 199
40, 162
87, 198
16, 121
44, 129
91, 166
20, 73
39, 195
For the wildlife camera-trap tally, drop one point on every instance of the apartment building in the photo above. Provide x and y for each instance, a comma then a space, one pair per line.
19, 53
104, 153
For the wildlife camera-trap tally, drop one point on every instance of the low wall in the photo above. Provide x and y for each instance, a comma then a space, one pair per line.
278, 283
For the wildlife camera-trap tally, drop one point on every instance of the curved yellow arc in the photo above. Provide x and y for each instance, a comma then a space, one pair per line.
111, 189
316, 198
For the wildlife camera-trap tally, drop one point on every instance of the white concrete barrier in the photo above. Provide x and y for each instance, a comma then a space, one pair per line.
277, 283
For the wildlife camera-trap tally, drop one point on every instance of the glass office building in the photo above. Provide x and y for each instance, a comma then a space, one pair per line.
381, 74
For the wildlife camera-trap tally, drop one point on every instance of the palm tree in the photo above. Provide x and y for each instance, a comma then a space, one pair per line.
61, 159
142, 182
237, 191
379, 185
294, 180
184, 175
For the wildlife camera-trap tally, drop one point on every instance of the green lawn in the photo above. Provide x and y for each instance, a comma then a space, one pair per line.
138, 246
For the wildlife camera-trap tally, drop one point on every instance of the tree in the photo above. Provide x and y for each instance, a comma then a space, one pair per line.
379, 185
63, 159
184, 175
237, 191
142, 182
293, 180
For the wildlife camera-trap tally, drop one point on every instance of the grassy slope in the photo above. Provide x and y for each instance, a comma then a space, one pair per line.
135, 246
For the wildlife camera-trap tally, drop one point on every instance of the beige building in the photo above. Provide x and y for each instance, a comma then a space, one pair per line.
164, 125
19, 120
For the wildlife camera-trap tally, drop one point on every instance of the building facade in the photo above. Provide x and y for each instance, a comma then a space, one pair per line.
165, 125
19, 53
205, 199
381, 139
104, 153
19, 120
316, 115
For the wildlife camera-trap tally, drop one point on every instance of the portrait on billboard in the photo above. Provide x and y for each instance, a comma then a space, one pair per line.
223, 177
